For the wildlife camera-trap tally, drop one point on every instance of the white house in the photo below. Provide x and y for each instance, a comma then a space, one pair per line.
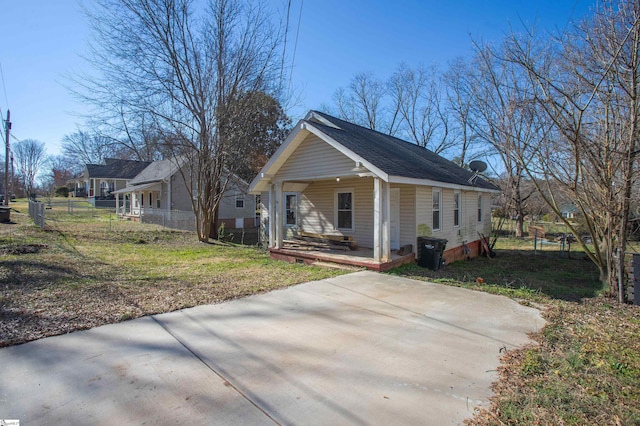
335, 178
160, 189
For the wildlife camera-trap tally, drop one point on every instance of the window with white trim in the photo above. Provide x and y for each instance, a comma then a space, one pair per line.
437, 197
479, 207
456, 208
344, 209
291, 209
239, 200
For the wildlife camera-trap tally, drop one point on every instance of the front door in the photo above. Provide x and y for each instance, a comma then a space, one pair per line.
394, 220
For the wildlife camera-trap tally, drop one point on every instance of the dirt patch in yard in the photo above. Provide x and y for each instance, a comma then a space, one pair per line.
82, 273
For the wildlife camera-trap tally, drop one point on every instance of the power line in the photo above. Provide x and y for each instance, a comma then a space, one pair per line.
3, 86
295, 46
284, 50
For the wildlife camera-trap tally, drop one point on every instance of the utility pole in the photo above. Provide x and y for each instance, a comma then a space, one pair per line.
7, 127
12, 180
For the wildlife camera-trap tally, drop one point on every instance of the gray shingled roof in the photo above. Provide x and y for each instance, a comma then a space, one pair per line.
396, 157
156, 171
116, 169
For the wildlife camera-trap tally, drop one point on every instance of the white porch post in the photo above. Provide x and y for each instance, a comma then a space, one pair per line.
117, 202
377, 213
272, 216
279, 212
386, 222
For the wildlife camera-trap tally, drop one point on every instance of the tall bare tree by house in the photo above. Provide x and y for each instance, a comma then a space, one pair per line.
461, 91
506, 119
589, 87
366, 102
182, 65
30, 155
418, 96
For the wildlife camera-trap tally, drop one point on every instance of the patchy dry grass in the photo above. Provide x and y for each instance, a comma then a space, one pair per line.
87, 269
585, 366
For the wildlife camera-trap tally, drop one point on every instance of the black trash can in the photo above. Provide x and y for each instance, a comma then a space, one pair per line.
430, 252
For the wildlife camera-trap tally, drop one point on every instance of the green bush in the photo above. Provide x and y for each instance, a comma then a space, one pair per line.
62, 191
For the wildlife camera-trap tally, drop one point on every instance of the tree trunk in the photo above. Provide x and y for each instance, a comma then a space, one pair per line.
519, 226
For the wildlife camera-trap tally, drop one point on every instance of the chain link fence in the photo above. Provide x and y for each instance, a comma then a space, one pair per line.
175, 219
36, 212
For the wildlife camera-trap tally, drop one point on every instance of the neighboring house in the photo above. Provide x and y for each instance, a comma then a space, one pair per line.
102, 180
569, 211
160, 188
335, 178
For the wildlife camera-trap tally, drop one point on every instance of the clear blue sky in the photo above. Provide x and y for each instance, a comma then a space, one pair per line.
43, 40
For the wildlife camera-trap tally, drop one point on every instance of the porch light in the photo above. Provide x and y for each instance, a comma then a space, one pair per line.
337, 179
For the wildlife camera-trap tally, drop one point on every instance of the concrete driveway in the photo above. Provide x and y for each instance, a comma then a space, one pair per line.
362, 348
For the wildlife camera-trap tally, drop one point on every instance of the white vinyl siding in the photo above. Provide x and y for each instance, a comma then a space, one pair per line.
408, 215
315, 158
469, 225
316, 209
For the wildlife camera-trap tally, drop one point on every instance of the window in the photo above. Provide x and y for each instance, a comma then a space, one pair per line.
291, 207
456, 209
436, 209
239, 200
479, 207
344, 209
142, 200
150, 200
258, 207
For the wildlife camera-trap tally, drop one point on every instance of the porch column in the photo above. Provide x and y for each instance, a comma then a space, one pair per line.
95, 188
377, 213
278, 209
386, 222
117, 202
272, 215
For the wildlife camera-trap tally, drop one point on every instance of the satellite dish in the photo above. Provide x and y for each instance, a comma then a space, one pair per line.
478, 166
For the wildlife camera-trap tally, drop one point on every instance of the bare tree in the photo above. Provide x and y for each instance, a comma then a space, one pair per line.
30, 155
461, 92
589, 87
505, 118
62, 169
182, 66
417, 95
365, 102
86, 147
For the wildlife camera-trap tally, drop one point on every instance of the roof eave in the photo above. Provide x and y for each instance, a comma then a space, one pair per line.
430, 182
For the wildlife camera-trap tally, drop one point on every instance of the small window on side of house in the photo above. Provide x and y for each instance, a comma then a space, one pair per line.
456, 208
239, 200
479, 207
436, 209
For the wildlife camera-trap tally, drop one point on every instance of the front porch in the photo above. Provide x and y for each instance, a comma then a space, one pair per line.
361, 258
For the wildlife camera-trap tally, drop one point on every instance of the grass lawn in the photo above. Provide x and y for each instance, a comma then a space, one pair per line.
87, 269
584, 368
